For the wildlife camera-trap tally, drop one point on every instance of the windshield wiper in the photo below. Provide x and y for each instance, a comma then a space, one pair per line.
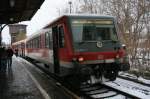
82, 42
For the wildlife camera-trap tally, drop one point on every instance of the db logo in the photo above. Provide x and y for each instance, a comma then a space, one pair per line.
99, 44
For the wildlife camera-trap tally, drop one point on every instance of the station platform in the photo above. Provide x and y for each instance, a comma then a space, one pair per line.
24, 81
15, 83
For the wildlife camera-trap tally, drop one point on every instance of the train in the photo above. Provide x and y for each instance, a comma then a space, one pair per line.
87, 47
19, 48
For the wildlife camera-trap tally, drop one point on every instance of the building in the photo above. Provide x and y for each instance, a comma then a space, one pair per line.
17, 32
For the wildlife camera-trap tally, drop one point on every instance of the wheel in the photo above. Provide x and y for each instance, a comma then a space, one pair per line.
111, 75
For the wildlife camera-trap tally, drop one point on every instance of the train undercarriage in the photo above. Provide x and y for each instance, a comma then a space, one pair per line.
92, 73
97, 73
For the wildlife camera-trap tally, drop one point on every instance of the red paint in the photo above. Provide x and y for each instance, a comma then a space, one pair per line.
92, 55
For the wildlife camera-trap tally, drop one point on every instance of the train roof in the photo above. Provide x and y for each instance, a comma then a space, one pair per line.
18, 42
39, 32
89, 16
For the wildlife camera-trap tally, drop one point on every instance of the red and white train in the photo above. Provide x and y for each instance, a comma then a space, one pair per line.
87, 47
19, 48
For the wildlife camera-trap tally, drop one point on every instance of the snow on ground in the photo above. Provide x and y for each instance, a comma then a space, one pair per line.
134, 86
131, 87
144, 80
131, 76
117, 97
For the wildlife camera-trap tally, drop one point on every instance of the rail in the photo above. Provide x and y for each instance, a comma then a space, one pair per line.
101, 91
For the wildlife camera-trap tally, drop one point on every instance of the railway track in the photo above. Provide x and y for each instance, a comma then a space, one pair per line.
97, 91
131, 87
102, 91
134, 80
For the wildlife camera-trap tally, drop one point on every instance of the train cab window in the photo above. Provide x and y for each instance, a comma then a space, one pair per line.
91, 30
88, 32
104, 33
61, 37
96, 33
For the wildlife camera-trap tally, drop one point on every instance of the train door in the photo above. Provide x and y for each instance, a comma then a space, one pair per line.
55, 50
58, 47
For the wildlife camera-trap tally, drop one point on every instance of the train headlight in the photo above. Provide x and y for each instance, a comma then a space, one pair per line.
80, 59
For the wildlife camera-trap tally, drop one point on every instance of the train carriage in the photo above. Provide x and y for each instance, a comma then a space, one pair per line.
19, 47
85, 46
38, 47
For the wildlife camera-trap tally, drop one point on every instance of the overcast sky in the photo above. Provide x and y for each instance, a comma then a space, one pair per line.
48, 12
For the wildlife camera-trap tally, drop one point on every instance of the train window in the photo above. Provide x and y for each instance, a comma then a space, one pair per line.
27, 44
40, 46
93, 30
88, 32
38, 42
97, 33
31, 43
51, 39
47, 40
35, 44
61, 37
103, 33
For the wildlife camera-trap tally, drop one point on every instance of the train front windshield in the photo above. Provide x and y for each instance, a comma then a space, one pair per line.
86, 31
